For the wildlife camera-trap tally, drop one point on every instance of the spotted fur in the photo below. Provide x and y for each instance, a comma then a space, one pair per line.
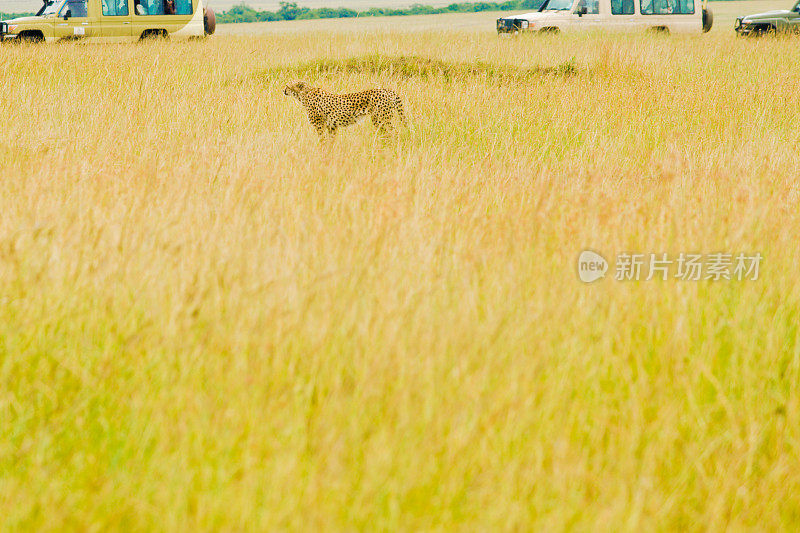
328, 112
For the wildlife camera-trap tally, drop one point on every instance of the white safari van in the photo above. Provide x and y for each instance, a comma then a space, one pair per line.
669, 16
112, 20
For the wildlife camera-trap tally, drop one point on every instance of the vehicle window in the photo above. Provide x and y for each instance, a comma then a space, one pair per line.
592, 6
163, 7
667, 7
77, 8
183, 7
50, 8
622, 7
115, 8
558, 5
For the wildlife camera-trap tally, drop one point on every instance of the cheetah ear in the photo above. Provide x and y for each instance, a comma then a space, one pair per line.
301, 85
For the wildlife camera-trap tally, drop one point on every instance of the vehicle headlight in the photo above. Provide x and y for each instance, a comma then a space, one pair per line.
524, 24
12, 28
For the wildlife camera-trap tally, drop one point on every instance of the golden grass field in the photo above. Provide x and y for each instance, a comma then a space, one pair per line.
209, 322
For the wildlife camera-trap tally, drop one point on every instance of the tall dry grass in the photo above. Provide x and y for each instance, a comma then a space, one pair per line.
208, 322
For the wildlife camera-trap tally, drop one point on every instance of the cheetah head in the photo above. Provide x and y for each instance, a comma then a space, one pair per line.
296, 89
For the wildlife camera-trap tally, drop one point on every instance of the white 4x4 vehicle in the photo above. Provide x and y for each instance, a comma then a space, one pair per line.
670, 16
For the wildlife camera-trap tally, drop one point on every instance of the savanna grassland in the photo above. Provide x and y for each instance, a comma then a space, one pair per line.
209, 322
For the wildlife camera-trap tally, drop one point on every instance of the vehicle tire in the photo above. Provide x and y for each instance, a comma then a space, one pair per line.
30, 37
152, 35
708, 20
209, 21
658, 30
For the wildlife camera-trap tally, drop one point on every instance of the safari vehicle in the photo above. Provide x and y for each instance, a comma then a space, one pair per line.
668, 16
112, 21
782, 21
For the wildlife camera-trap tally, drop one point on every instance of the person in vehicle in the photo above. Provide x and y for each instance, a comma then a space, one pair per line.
76, 8
592, 6
660, 7
622, 7
163, 7
115, 8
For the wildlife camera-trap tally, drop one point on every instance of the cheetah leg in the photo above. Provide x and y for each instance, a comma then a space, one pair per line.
319, 125
387, 120
401, 112
376, 121
382, 124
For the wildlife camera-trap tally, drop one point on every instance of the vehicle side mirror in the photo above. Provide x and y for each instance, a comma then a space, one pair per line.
581, 11
68, 14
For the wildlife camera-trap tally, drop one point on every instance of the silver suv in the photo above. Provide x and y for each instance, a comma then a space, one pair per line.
784, 21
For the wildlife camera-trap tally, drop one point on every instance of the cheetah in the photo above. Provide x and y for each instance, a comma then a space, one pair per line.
328, 111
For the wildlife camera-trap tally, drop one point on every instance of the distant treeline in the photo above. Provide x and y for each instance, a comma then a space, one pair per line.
291, 11
9, 16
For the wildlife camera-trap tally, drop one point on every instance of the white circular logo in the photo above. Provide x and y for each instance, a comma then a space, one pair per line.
591, 266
